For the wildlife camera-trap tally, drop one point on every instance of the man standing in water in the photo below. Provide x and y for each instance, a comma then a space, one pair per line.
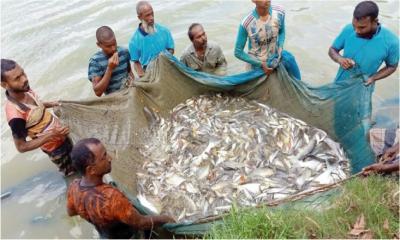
202, 55
366, 44
27, 116
149, 40
101, 204
110, 68
264, 28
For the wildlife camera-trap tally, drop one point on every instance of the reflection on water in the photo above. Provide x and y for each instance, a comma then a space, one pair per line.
53, 41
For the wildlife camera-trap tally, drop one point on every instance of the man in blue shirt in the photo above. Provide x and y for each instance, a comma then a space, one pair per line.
366, 45
109, 69
149, 39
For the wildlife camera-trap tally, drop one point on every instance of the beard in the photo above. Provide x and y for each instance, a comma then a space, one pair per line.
149, 29
25, 88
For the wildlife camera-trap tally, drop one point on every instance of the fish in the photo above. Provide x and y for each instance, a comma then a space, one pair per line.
215, 150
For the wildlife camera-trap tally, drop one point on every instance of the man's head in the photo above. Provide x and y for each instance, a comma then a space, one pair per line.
197, 35
146, 16
106, 40
13, 77
365, 19
89, 157
262, 4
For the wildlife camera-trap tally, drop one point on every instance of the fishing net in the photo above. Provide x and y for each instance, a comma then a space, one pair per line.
121, 120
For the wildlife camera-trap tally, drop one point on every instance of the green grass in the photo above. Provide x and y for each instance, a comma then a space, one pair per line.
376, 197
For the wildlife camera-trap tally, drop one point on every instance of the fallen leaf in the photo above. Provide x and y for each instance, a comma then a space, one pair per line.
359, 230
358, 227
386, 225
367, 235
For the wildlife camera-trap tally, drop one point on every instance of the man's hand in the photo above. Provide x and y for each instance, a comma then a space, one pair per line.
168, 219
51, 104
391, 153
266, 69
113, 61
369, 81
280, 54
346, 63
59, 131
374, 168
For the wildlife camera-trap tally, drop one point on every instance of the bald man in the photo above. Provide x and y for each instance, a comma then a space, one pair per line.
149, 39
109, 69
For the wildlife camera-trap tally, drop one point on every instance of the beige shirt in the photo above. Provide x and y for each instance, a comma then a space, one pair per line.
214, 60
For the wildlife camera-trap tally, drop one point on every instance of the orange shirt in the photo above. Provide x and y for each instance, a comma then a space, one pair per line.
38, 120
104, 206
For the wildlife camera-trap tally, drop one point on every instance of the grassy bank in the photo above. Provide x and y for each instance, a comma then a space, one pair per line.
376, 198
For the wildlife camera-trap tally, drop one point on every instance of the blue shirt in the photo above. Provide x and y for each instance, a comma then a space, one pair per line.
98, 66
264, 37
145, 47
368, 54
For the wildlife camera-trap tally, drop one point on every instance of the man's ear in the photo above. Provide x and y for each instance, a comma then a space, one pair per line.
376, 20
89, 170
4, 84
98, 44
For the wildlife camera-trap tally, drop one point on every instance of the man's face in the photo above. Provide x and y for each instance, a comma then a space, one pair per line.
109, 47
16, 80
364, 27
262, 3
199, 37
102, 162
147, 15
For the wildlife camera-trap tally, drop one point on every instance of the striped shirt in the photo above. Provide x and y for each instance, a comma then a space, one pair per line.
98, 66
264, 37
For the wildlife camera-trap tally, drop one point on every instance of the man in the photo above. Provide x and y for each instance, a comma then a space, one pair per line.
109, 69
149, 39
366, 45
385, 144
202, 55
264, 28
27, 116
101, 204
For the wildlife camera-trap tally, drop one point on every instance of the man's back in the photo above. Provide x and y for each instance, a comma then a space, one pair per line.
103, 206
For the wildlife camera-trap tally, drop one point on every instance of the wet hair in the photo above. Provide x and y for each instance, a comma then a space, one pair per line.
140, 5
366, 9
81, 155
104, 33
193, 25
6, 65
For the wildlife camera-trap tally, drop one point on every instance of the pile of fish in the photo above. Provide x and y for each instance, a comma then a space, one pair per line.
215, 151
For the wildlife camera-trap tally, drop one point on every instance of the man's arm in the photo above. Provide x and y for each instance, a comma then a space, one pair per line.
100, 84
383, 73
221, 65
126, 213
241, 40
138, 68
23, 146
345, 63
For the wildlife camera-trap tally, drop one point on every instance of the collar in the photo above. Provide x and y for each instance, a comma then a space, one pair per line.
142, 31
193, 51
255, 13
378, 30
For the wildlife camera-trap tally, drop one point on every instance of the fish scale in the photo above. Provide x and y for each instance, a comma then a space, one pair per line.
223, 150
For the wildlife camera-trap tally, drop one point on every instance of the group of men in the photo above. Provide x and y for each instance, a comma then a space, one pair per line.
366, 45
